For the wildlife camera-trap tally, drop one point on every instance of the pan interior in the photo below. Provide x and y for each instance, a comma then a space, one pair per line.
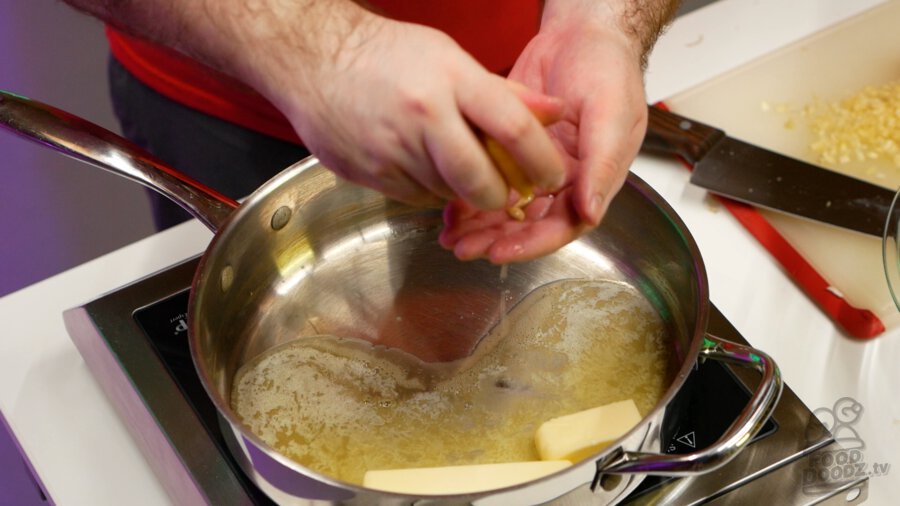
347, 262
343, 407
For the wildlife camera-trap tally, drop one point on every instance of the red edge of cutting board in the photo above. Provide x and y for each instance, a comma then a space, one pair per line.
855, 322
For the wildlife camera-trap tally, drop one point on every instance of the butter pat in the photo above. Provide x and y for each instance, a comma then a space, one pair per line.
460, 479
576, 436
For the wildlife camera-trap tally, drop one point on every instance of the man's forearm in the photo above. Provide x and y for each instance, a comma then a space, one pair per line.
243, 38
646, 19
642, 21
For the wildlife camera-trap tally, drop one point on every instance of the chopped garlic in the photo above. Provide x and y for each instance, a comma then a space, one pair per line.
865, 126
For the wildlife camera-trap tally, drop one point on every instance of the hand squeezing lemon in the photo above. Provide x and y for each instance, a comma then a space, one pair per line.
513, 176
547, 112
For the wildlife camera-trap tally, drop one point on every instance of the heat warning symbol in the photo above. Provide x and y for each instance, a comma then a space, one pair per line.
688, 440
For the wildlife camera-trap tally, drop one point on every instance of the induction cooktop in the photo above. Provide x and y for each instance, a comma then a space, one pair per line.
134, 340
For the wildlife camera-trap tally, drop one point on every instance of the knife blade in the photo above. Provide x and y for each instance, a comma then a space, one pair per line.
763, 178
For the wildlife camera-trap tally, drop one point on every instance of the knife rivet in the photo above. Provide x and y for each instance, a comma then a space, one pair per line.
685, 125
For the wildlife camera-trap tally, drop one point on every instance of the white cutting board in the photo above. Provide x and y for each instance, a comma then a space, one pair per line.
830, 65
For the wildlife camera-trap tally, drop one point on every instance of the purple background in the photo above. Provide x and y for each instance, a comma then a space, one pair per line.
55, 213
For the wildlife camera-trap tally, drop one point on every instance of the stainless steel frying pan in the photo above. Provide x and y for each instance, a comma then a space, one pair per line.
310, 254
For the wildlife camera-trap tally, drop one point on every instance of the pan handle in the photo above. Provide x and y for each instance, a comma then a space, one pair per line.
92, 144
748, 424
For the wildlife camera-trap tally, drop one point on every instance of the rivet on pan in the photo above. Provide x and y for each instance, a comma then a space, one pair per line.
227, 278
281, 217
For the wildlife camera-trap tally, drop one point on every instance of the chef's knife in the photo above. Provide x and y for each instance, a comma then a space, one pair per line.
756, 176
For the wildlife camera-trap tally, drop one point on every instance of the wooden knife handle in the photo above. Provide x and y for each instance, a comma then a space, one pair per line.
671, 134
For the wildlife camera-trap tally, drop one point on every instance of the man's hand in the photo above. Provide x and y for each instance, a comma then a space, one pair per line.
590, 54
402, 110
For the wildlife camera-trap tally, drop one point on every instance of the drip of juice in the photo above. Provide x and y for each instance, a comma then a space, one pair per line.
343, 406
503, 326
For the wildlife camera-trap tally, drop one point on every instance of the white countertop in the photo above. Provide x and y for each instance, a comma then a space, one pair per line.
84, 455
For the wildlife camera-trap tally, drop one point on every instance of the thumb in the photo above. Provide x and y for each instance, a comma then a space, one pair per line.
611, 145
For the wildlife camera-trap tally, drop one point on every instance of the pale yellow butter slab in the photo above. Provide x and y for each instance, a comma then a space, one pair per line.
573, 437
460, 479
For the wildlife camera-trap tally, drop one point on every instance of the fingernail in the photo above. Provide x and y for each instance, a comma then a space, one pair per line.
594, 209
557, 183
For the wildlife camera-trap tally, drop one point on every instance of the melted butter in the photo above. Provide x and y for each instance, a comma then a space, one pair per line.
341, 406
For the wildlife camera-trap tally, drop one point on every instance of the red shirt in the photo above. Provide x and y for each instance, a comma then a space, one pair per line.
494, 32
